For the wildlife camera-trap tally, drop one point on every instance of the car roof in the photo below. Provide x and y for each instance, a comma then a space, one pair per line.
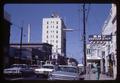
67, 66
48, 65
19, 64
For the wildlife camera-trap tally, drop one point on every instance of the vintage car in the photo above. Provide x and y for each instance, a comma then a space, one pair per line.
65, 72
45, 70
17, 70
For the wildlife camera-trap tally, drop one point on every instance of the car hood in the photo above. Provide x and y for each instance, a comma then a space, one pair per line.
65, 74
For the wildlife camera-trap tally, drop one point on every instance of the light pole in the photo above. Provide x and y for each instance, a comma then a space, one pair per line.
84, 37
21, 35
21, 44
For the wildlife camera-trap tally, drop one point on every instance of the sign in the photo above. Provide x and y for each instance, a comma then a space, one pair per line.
100, 37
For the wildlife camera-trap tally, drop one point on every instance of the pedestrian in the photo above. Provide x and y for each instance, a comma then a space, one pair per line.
98, 71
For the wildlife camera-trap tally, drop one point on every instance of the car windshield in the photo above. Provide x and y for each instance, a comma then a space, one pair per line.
67, 69
21, 66
49, 67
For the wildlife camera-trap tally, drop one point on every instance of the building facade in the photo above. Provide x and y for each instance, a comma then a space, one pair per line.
109, 49
93, 55
53, 33
30, 53
106, 49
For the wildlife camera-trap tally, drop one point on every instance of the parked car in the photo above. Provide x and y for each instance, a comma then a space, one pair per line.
17, 70
65, 72
45, 70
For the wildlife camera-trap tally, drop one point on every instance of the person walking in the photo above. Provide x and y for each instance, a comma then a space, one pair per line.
97, 71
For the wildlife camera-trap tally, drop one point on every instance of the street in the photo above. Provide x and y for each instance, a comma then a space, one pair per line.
32, 77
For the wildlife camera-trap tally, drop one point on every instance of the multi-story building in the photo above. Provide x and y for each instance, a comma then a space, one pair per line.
109, 49
53, 33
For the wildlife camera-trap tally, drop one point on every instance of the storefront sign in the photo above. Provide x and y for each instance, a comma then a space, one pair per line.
100, 37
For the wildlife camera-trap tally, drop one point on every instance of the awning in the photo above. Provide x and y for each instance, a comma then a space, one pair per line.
93, 58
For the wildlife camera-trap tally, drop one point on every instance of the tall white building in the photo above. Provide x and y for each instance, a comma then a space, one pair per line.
54, 34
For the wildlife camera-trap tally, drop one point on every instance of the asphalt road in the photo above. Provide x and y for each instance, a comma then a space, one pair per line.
33, 77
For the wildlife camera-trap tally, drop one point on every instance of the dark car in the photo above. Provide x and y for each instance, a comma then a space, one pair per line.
65, 72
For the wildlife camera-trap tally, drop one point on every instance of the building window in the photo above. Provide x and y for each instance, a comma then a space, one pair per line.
56, 41
47, 41
56, 46
56, 36
47, 31
56, 22
56, 31
88, 51
47, 22
47, 36
47, 27
57, 27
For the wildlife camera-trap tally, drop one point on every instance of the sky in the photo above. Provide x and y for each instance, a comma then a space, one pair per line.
24, 14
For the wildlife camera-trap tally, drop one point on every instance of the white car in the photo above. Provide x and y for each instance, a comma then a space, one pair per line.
65, 72
18, 70
45, 70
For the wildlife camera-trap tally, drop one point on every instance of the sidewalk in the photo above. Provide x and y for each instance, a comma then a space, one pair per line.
92, 76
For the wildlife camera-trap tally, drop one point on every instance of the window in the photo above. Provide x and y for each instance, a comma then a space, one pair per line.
56, 36
56, 22
88, 51
47, 27
47, 41
47, 36
47, 22
47, 31
56, 31
56, 46
56, 41
57, 27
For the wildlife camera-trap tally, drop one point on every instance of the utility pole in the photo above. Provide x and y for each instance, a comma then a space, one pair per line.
84, 37
20, 57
